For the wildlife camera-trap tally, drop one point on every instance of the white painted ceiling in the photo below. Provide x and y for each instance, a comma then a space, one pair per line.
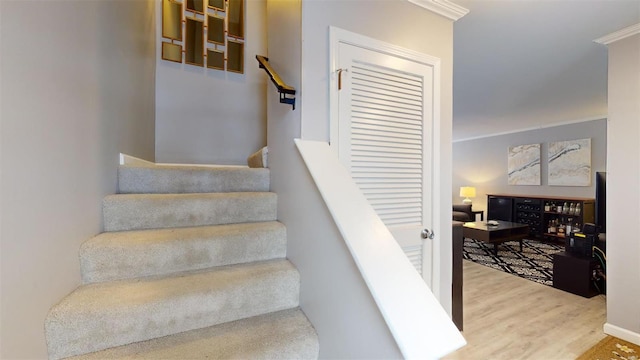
523, 64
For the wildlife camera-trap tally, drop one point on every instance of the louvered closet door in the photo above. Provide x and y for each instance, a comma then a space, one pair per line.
385, 122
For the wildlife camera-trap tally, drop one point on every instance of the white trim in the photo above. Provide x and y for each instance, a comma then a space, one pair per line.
442, 7
365, 42
339, 36
618, 35
440, 289
420, 326
621, 333
202, 165
542, 126
132, 160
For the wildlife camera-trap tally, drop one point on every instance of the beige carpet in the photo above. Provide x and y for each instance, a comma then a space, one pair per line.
612, 348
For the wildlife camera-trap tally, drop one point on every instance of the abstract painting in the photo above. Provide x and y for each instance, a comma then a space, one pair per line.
570, 163
524, 165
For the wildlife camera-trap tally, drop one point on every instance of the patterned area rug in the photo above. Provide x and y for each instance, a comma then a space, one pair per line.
612, 348
534, 263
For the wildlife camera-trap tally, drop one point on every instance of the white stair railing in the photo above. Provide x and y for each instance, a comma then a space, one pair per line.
420, 326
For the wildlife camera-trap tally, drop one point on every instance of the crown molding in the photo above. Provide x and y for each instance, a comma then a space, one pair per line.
531, 128
443, 7
618, 35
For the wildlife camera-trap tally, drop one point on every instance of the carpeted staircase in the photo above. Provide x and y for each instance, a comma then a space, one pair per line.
191, 265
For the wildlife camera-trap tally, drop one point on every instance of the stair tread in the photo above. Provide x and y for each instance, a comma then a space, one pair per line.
284, 334
124, 212
232, 194
126, 254
210, 167
102, 315
190, 179
142, 290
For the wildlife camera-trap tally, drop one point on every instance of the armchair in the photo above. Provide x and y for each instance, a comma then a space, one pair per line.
463, 213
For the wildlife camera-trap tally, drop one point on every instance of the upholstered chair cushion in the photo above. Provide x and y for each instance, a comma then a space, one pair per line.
462, 213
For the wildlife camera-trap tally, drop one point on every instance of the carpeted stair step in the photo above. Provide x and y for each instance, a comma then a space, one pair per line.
157, 211
166, 179
98, 316
129, 254
281, 335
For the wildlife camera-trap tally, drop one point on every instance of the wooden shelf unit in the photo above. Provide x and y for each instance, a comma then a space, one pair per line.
530, 210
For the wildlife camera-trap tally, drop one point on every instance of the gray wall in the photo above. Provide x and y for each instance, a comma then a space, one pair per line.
483, 162
418, 30
207, 116
333, 293
623, 192
77, 88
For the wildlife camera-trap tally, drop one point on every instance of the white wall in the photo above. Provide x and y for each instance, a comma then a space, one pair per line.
333, 294
623, 192
211, 116
483, 162
77, 88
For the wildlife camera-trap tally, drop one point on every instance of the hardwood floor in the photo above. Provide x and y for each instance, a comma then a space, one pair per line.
507, 317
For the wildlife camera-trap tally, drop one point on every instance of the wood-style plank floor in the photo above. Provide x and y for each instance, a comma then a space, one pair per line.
507, 317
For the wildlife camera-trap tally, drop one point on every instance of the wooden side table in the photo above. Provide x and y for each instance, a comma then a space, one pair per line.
475, 215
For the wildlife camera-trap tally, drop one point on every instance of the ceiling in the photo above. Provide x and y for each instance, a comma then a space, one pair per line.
524, 64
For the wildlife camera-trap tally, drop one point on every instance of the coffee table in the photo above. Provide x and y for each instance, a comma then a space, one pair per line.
496, 234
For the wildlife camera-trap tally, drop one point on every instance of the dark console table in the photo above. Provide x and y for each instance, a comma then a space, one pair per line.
530, 210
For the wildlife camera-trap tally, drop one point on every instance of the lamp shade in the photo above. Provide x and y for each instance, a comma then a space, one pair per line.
467, 192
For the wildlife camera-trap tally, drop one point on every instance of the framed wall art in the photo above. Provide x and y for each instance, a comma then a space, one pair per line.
523, 165
570, 163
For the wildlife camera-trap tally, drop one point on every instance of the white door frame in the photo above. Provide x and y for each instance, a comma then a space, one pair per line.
338, 36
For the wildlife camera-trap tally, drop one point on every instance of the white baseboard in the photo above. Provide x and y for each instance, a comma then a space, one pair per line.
202, 165
132, 160
621, 333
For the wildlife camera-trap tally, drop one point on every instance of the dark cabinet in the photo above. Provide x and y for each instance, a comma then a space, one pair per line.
500, 208
548, 217
574, 274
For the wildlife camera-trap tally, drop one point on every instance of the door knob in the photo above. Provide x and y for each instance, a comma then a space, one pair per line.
427, 234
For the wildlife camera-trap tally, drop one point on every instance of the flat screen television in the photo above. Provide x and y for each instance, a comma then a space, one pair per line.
601, 201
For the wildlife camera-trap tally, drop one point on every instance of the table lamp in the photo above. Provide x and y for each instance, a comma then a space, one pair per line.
467, 192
